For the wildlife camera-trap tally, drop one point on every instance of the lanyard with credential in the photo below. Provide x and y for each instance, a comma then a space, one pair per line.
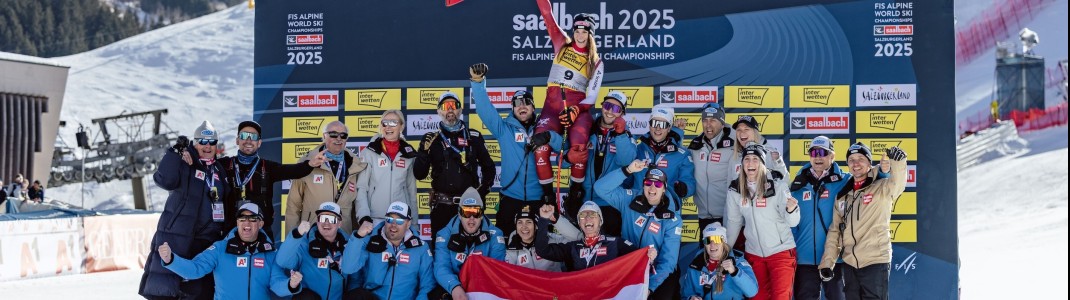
339, 180
242, 182
460, 151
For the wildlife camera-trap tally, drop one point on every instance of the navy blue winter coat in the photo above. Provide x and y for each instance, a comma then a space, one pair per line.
186, 223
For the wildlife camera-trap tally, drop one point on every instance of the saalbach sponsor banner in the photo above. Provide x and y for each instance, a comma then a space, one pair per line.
118, 242
622, 278
40, 248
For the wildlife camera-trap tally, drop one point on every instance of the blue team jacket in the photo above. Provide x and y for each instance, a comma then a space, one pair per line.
675, 161
402, 273
321, 275
518, 177
644, 225
739, 286
244, 276
451, 252
816, 197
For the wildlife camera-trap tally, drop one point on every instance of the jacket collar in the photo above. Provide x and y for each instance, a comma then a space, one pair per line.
770, 189
516, 243
404, 148
726, 141
640, 205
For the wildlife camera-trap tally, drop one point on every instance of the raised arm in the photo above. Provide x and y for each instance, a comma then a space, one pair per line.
557, 35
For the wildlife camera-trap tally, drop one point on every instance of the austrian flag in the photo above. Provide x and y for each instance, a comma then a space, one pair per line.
623, 278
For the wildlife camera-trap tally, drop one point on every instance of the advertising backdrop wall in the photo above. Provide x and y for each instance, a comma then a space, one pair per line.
879, 72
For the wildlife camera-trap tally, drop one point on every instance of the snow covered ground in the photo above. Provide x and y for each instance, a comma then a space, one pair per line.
1012, 209
1013, 222
201, 69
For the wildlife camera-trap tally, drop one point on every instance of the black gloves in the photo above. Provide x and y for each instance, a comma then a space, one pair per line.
680, 188
478, 72
537, 140
896, 154
180, 144
425, 144
825, 273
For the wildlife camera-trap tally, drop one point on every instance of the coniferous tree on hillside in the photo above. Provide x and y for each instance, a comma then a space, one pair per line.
50, 28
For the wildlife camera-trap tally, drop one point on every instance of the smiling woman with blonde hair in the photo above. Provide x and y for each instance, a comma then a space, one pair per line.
389, 176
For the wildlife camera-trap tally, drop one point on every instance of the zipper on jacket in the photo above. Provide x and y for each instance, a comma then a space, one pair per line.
249, 281
393, 273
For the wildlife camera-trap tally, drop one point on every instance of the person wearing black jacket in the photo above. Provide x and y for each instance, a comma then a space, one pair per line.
456, 158
192, 218
259, 186
593, 249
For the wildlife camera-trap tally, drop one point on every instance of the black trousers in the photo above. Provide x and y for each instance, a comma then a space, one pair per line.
198, 289
611, 221
507, 209
669, 289
440, 216
870, 282
808, 284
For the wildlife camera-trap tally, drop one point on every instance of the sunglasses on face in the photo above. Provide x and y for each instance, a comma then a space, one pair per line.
520, 100
818, 152
337, 135
588, 215
248, 136
389, 123
713, 239
329, 219
204, 142
659, 124
655, 183
448, 105
249, 218
395, 221
471, 212
612, 107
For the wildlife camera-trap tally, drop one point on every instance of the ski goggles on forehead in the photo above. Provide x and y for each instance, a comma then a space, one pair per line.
389, 123
328, 219
449, 105
818, 152
654, 183
612, 107
713, 239
659, 124
337, 135
205, 142
395, 221
471, 211
248, 136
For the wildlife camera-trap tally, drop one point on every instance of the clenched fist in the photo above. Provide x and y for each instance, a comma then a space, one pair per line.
478, 72
165, 252
295, 279
304, 227
636, 166
792, 204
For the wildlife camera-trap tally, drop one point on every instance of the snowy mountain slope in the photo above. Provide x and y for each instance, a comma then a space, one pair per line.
201, 69
1013, 222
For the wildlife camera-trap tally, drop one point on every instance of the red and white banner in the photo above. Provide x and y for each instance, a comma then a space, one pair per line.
623, 278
